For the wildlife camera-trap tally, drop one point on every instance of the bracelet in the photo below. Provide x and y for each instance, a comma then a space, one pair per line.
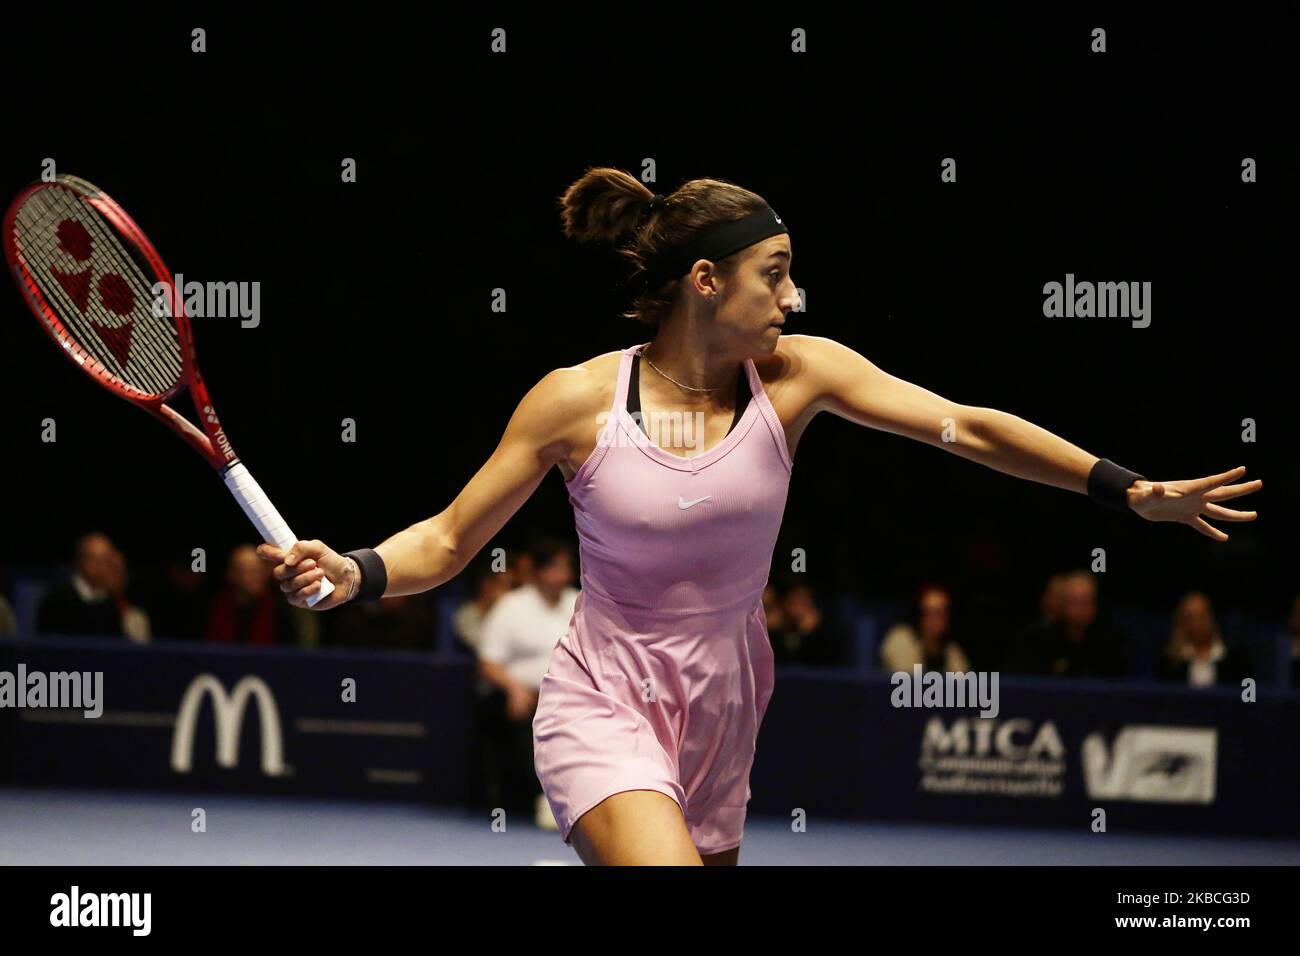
1108, 484
374, 576
354, 578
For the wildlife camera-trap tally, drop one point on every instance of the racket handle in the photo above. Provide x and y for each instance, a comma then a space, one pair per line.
265, 518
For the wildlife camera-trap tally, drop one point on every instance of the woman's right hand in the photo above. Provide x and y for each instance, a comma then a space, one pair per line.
299, 572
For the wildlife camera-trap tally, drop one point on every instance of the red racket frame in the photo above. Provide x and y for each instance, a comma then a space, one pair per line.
210, 441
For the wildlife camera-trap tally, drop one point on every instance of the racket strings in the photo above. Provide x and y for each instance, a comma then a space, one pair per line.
104, 299
139, 360
154, 356
160, 363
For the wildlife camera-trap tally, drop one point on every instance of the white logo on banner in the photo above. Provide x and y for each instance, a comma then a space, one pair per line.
228, 714
1006, 758
1153, 763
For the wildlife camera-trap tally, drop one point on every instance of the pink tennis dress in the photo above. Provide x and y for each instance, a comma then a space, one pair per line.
665, 672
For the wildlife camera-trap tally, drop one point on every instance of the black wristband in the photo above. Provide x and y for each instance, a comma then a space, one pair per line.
374, 576
1108, 484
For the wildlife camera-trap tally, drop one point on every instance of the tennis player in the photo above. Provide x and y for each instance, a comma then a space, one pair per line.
647, 719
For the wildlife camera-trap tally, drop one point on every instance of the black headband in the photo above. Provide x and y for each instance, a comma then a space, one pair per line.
717, 242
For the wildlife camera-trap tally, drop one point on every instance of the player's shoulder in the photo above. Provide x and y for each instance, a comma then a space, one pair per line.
795, 356
804, 345
583, 387
563, 403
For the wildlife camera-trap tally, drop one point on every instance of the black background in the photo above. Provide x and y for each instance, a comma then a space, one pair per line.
1123, 166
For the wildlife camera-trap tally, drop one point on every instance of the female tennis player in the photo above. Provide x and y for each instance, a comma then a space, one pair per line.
647, 719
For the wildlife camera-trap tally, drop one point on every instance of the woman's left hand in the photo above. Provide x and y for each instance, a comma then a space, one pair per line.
1192, 501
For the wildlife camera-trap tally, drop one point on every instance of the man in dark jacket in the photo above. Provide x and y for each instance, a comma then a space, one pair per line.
1076, 644
92, 602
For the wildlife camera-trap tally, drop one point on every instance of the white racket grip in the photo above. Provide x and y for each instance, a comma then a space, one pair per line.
265, 518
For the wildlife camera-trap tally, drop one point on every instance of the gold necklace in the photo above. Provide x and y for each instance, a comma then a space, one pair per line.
692, 388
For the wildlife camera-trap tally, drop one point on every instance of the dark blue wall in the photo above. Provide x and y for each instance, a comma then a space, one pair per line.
831, 745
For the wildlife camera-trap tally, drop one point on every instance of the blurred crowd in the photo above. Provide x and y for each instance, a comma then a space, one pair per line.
1071, 638
510, 595
517, 604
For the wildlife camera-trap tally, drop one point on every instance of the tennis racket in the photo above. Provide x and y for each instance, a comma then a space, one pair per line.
88, 272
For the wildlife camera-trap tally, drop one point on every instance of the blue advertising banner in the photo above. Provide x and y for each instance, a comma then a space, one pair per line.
832, 745
1152, 757
265, 721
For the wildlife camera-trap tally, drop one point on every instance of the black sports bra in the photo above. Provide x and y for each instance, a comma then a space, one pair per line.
634, 394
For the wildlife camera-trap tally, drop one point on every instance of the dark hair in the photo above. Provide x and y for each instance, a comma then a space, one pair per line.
480, 570
920, 591
606, 204
543, 548
79, 547
1178, 638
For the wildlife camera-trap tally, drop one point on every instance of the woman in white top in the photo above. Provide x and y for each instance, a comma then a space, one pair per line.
928, 643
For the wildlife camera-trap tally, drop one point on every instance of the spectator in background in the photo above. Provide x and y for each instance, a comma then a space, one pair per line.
93, 601
1052, 604
518, 635
927, 639
135, 622
802, 634
1196, 654
248, 609
521, 566
1077, 644
488, 587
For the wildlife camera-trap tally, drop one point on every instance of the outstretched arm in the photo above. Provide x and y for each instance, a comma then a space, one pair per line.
433, 551
848, 385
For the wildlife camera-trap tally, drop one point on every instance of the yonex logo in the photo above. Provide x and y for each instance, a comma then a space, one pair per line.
91, 287
224, 443
683, 505
210, 413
